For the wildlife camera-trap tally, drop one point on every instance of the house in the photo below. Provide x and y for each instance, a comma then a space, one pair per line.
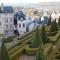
55, 16
25, 23
6, 20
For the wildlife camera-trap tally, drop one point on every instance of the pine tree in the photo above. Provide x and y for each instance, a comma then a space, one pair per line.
53, 26
59, 22
49, 21
43, 34
56, 25
40, 53
4, 52
36, 39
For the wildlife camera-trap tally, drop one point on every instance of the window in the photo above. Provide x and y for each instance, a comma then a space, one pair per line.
19, 25
0, 23
6, 26
10, 19
6, 19
0, 16
10, 25
23, 25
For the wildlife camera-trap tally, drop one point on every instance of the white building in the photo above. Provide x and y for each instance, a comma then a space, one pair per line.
6, 20
25, 25
21, 26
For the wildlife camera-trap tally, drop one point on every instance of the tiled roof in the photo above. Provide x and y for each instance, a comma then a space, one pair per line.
20, 14
6, 9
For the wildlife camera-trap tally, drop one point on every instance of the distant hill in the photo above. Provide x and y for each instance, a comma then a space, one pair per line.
48, 4
44, 4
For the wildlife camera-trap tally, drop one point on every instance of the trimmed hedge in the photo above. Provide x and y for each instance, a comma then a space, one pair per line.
26, 34
51, 33
29, 37
53, 39
57, 57
8, 39
13, 50
16, 53
30, 51
33, 51
48, 48
17, 50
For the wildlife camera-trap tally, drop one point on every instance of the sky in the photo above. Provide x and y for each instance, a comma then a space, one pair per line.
24, 1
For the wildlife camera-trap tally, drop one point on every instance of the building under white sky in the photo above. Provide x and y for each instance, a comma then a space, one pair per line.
24, 1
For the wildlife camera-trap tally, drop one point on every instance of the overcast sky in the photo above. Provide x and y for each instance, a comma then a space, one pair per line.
24, 1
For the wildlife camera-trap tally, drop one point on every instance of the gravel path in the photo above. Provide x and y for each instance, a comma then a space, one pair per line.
26, 57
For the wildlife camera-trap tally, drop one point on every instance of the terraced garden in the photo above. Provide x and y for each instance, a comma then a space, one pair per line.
22, 50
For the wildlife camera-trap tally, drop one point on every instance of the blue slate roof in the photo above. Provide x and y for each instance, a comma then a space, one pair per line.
6, 9
20, 14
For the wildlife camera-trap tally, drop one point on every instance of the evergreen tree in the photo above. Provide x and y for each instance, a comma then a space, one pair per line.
4, 52
59, 22
40, 53
43, 34
56, 25
49, 21
36, 39
53, 26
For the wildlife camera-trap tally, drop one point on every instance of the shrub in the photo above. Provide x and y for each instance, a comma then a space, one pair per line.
30, 51
17, 52
8, 39
51, 33
57, 57
53, 26
4, 52
37, 39
59, 22
44, 34
49, 21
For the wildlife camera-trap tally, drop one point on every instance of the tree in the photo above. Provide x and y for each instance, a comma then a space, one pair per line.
43, 34
49, 21
53, 26
59, 22
36, 39
40, 53
4, 52
56, 25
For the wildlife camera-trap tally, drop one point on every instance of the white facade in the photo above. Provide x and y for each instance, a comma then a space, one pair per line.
6, 23
32, 26
21, 26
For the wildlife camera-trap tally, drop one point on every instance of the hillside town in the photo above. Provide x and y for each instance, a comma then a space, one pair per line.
29, 33
23, 20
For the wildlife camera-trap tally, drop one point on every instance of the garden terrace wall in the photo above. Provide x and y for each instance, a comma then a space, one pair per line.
54, 39
30, 51
51, 33
28, 36
57, 38
16, 51
33, 51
